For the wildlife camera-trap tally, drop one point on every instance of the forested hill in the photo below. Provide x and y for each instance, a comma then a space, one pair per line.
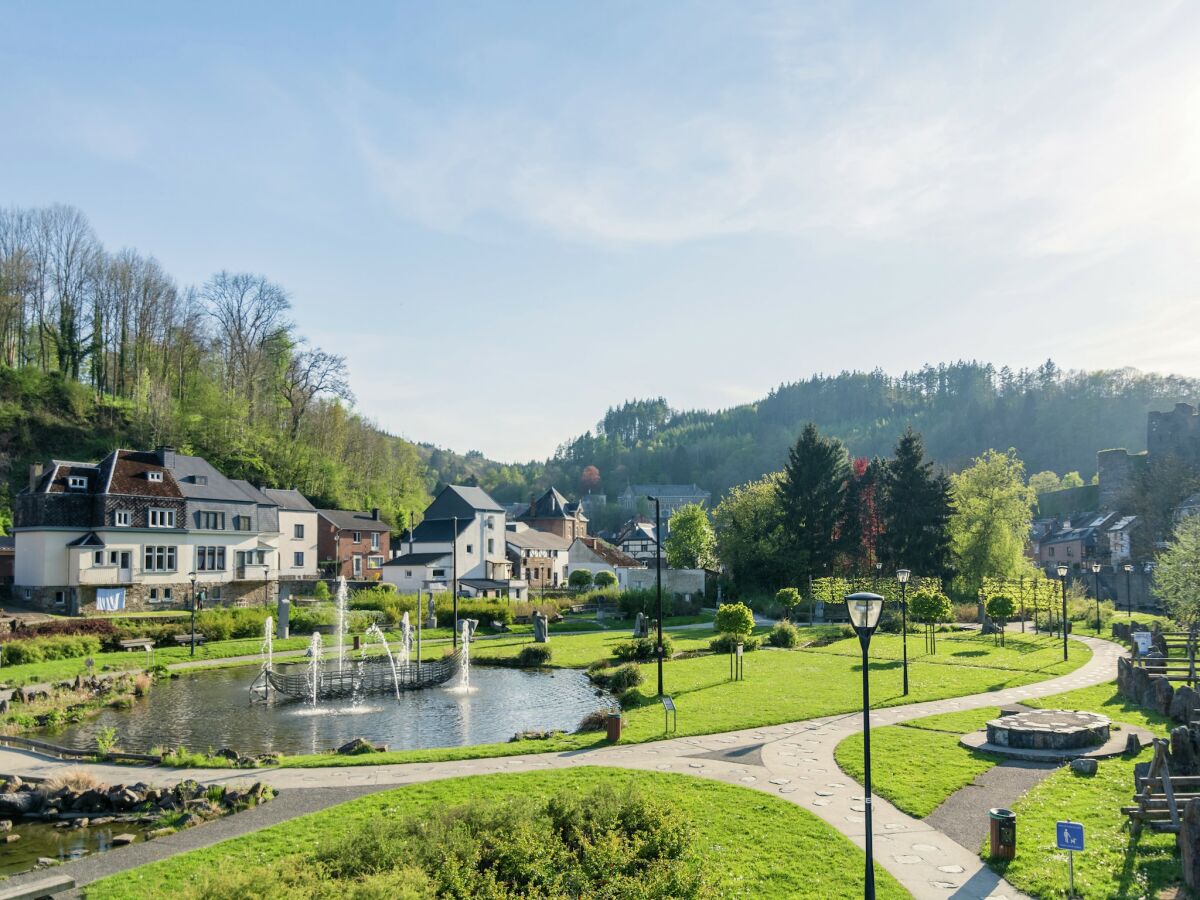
1056, 420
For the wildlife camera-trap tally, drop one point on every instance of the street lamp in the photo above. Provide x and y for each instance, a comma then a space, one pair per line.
878, 569
1062, 574
192, 576
902, 577
658, 567
1096, 582
1128, 567
864, 610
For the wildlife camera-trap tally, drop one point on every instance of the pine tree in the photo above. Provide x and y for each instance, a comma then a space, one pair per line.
915, 509
811, 500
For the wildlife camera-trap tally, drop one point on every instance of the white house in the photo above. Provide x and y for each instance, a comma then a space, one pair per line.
596, 555
537, 557
297, 534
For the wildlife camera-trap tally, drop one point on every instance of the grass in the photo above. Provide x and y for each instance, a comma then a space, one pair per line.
1113, 865
755, 845
780, 686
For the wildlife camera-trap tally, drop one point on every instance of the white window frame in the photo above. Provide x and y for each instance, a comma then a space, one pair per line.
158, 517
298, 531
298, 559
154, 554
375, 561
356, 565
77, 482
374, 540
357, 535
122, 518
154, 476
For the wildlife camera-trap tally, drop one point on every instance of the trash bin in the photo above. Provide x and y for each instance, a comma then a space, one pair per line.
1003, 832
614, 725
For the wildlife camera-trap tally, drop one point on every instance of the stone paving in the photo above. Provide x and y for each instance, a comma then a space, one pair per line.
794, 761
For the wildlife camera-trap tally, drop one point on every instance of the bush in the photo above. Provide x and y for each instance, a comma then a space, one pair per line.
605, 579
787, 598
1001, 608
734, 618
596, 720
785, 635
929, 606
533, 656
44, 649
617, 679
101, 628
580, 579
726, 643
643, 649
321, 591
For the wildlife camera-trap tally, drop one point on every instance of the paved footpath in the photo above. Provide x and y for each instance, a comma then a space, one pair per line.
794, 761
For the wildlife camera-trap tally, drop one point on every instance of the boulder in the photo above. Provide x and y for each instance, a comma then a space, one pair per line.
1083, 766
1133, 744
120, 840
91, 801
159, 832
5, 825
1138, 687
229, 754
356, 747
11, 838
1124, 677
1163, 694
1189, 843
45, 862
1184, 759
102, 820
123, 798
20, 803
1184, 703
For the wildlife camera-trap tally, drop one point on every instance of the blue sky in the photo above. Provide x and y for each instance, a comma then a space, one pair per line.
511, 216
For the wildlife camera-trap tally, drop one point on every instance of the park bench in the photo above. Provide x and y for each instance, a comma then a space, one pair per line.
35, 890
185, 640
1159, 794
136, 643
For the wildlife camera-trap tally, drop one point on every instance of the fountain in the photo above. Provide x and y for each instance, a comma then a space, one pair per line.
268, 644
466, 628
340, 625
406, 641
315, 650
376, 632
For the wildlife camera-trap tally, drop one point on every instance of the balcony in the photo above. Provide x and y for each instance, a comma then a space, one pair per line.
252, 572
105, 576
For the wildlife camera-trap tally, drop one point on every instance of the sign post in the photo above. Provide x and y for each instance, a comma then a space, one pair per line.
1069, 836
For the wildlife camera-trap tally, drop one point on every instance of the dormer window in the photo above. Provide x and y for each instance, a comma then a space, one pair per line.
154, 476
199, 479
76, 483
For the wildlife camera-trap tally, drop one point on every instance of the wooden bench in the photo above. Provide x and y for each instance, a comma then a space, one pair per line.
136, 643
35, 890
185, 640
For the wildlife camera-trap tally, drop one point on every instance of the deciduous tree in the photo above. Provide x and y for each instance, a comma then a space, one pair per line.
992, 510
691, 543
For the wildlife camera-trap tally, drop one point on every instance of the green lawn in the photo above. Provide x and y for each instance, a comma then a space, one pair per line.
1113, 865
755, 845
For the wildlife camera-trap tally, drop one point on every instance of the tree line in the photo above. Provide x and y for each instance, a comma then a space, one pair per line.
219, 369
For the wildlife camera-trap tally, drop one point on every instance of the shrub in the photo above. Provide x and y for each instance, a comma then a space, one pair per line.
44, 649
787, 598
785, 635
726, 643
605, 579
617, 679
321, 591
73, 779
1001, 608
580, 579
534, 655
100, 628
643, 649
734, 618
596, 720
929, 606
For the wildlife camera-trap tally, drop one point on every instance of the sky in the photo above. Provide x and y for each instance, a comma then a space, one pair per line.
511, 216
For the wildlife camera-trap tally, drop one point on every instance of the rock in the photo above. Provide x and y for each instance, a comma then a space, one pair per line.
1189, 843
188, 790
356, 747
81, 823
3, 706
19, 803
1133, 744
45, 862
103, 820
11, 838
13, 784
62, 824
1124, 677
91, 801
227, 753
5, 825
124, 798
1184, 703
159, 832
1164, 693
187, 820
120, 840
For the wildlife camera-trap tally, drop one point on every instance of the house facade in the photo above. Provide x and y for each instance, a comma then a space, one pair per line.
352, 544
538, 558
554, 513
298, 552
595, 555
133, 530
637, 539
670, 497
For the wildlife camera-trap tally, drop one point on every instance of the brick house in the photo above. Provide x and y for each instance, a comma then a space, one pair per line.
353, 544
552, 512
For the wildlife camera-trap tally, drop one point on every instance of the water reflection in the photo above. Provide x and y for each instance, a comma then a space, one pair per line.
211, 710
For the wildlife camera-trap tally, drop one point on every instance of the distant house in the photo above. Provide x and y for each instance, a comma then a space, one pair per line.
1077, 543
1189, 507
670, 496
637, 539
298, 552
556, 514
1120, 540
8, 555
538, 557
353, 544
596, 555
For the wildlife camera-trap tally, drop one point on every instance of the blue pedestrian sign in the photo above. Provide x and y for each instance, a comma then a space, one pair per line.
1070, 835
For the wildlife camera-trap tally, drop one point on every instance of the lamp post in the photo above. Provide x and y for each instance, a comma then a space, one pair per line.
1062, 574
864, 610
658, 567
454, 576
1147, 568
1096, 585
878, 569
1128, 567
902, 576
192, 576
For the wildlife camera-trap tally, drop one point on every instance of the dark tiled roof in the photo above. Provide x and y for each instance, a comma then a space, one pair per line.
291, 500
462, 501
350, 520
435, 531
7, 542
484, 584
253, 493
610, 554
532, 539
416, 559
551, 505
128, 470
55, 481
198, 479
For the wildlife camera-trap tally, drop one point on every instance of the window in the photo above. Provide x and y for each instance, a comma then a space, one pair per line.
98, 558
491, 522
154, 476
491, 546
168, 595
374, 540
162, 518
212, 521
470, 548
215, 593
122, 517
358, 537
298, 560
113, 557
374, 562
160, 559
153, 595
298, 532
199, 479
438, 573
210, 559
408, 573
76, 483
241, 523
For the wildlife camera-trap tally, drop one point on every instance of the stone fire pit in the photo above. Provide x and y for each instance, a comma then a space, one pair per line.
1049, 729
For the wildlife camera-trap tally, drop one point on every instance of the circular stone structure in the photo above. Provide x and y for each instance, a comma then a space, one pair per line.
1049, 729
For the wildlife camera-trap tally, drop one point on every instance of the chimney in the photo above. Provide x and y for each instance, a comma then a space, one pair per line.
166, 457
35, 474
375, 513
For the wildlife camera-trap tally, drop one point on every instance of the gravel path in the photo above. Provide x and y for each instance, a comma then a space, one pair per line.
964, 814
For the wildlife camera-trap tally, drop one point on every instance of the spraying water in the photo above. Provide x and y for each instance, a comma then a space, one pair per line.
268, 644
405, 641
374, 632
464, 652
340, 628
315, 649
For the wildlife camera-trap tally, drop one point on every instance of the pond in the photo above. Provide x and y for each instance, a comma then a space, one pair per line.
39, 839
211, 709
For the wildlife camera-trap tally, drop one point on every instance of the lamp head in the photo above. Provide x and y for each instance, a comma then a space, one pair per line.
878, 566
1095, 568
902, 575
1062, 570
1128, 567
864, 610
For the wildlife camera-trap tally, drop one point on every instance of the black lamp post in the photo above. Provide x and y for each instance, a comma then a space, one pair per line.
192, 576
902, 576
1147, 568
878, 569
1128, 567
1062, 574
1096, 585
454, 577
864, 610
658, 566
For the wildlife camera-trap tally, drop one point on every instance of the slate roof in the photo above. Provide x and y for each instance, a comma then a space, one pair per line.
436, 531
485, 584
254, 493
668, 490
417, 559
532, 539
290, 500
552, 505
91, 539
351, 520
462, 501
200, 480
7, 542
610, 554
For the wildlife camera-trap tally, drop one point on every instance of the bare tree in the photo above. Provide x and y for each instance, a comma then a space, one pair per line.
70, 248
311, 372
249, 315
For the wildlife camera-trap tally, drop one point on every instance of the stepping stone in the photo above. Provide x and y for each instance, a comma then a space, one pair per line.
824, 793
749, 779
951, 870
695, 765
893, 826
780, 780
858, 807
788, 790
856, 819
906, 859
817, 802
120, 840
948, 885
926, 848
836, 784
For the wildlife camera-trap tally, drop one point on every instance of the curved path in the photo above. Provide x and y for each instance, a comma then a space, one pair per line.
794, 761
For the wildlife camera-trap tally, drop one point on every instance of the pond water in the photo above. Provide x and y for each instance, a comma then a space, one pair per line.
39, 839
212, 710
